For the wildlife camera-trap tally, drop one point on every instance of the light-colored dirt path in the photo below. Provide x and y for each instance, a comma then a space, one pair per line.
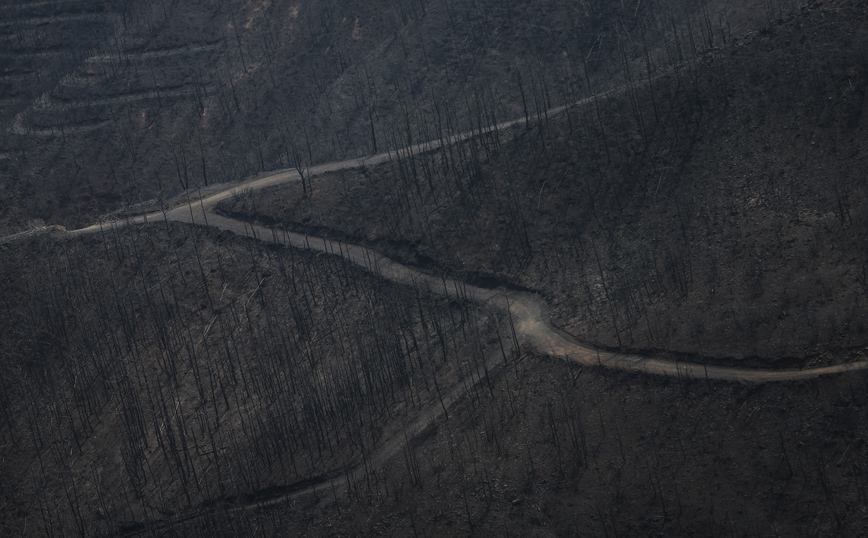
528, 312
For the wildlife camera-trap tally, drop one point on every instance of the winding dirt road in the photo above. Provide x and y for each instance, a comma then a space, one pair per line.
527, 310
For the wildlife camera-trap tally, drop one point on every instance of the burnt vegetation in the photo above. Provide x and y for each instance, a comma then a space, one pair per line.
677, 179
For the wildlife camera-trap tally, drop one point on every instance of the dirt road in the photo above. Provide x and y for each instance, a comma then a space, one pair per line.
527, 311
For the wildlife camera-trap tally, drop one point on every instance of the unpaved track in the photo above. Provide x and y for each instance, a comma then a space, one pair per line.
527, 311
